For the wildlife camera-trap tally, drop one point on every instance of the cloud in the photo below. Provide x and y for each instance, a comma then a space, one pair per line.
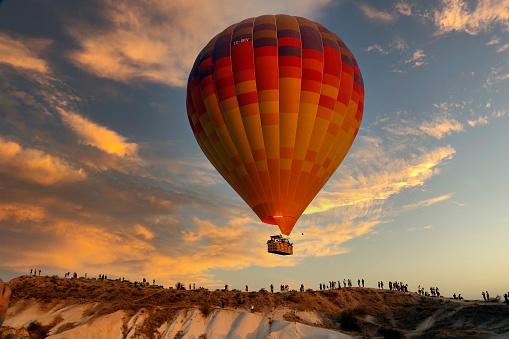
329, 240
412, 229
404, 8
496, 76
417, 58
457, 15
399, 44
18, 53
376, 48
19, 212
498, 114
158, 41
427, 202
383, 176
377, 15
35, 166
493, 41
441, 126
482, 120
503, 48
98, 136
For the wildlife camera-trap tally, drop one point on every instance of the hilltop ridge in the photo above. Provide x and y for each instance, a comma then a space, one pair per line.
60, 307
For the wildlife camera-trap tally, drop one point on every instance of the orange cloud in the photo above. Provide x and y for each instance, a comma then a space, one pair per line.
18, 54
98, 136
328, 240
21, 212
33, 165
136, 44
394, 176
482, 120
455, 15
441, 126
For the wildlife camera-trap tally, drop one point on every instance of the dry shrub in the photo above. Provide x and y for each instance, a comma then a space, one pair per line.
349, 321
390, 333
179, 335
37, 331
205, 310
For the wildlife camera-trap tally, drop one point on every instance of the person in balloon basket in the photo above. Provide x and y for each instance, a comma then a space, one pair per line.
5, 294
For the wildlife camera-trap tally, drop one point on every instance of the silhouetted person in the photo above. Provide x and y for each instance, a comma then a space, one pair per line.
247, 289
484, 296
5, 294
506, 299
359, 282
362, 282
271, 288
487, 296
31, 271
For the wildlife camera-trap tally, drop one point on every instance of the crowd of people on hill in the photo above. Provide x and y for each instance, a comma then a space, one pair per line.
433, 292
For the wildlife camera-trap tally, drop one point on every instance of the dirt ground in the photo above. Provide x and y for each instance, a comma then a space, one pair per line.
360, 312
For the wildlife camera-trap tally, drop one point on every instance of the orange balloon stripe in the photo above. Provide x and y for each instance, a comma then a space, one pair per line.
266, 65
211, 119
312, 77
290, 74
234, 133
248, 128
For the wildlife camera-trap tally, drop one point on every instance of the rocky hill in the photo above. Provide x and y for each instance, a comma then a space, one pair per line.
87, 308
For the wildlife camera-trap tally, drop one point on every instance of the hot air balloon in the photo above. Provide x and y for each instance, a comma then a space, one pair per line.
275, 103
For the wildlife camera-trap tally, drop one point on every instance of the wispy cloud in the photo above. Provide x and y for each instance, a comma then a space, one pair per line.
158, 41
503, 48
377, 15
19, 53
98, 136
427, 202
383, 176
404, 8
441, 126
377, 48
494, 41
413, 229
482, 120
496, 76
36, 166
498, 114
20, 212
458, 15
417, 58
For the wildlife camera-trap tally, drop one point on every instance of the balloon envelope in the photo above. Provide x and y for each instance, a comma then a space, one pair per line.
275, 103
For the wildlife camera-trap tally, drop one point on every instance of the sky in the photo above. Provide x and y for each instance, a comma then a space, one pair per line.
100, 172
